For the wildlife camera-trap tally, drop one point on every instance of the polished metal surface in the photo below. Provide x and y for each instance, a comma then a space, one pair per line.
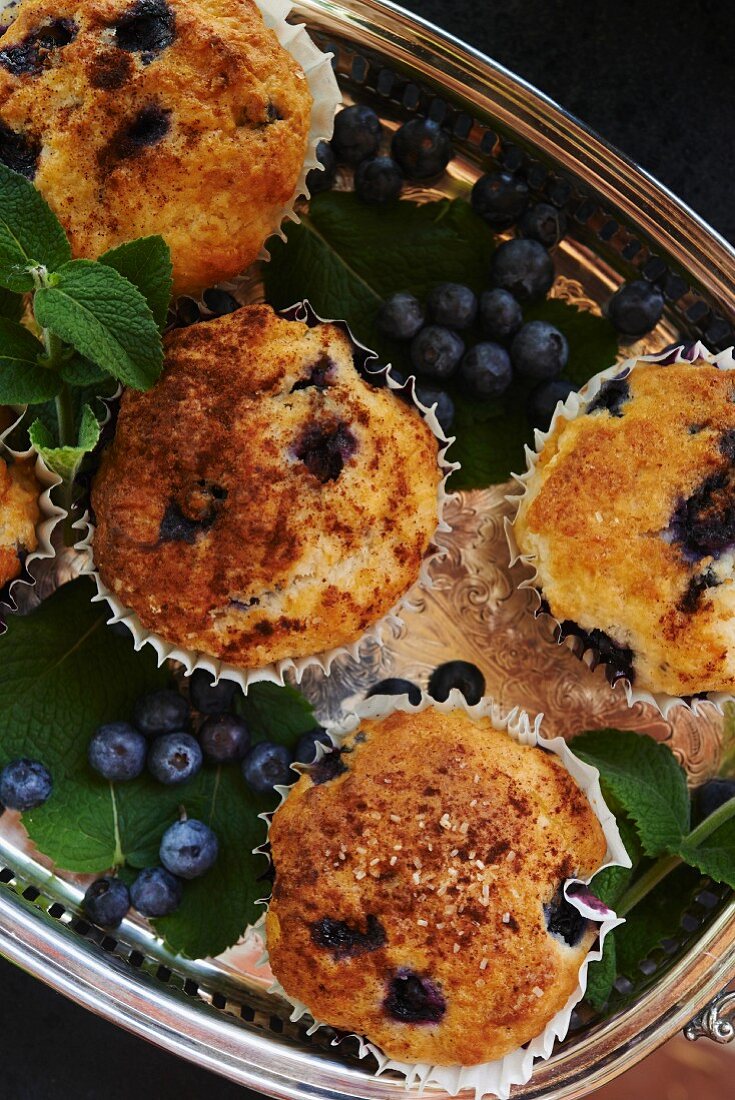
714, 1022
218, 1013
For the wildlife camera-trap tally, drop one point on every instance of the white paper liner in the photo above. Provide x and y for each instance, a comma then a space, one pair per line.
295, 667
515, 1068
569, 410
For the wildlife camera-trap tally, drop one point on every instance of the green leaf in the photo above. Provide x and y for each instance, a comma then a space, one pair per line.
78, 371
146, 263
645, 779
277, 713
12, 305
715, 856
23, 381
107, 319
30, 233
65, 461
601, 975
657, 917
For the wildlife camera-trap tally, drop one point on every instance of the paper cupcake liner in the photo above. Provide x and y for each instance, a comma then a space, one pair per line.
575, 636
294, 667
50, 515
515, 1068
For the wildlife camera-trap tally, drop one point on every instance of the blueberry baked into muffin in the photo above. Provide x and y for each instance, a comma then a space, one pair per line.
429, 914
263, 501
133, 117
629, 522
19, 514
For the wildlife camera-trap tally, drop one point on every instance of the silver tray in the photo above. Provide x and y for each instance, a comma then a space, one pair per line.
217, 1013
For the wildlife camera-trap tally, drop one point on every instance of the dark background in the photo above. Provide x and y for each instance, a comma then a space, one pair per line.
657, 80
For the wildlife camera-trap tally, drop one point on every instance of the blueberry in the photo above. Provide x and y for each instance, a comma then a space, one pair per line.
324, 450
378, 181
322, 179
357, 134
208, 697
704, 523
636, 308
691, 599
189, 848
305, 751
224, 738
328, 768
422, 149
611, 396
452, 304
117, 751
161, 712
147, 28
106, 902
564, 920
441, 403
436, 352
188, 311
543, 399
395, 686
19, 152
543, 223
174, 758
457, 674
24, 784
400, 317
267, 765
414, 999
156, 892
31, 56
500, 198
220, 302
524, 268
176, 527
485, 372
500, 314
148, 128
711, 795
344, 940
539, 351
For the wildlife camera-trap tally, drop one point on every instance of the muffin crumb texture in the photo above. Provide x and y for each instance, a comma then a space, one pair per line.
428, 914
262, 501
19, 515
629, 522
180, 117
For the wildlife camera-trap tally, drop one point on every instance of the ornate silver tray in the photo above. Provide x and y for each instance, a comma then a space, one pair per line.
217, 1012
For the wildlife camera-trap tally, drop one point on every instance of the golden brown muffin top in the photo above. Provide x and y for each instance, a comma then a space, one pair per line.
19, 514
134, 117
630, 522
412, 875
263, 501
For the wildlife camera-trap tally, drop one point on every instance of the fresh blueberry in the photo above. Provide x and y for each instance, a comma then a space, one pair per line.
220, 302
500, 314
161, 712
174, 758
711, 795
524, 268
24, 784
611, 396
322, 179
485, 372
440, 402
117, 751
564, 919
305, 751
452, 304
357, 134
422, 149
156, 892
544, 398
539, 351
636, 308
224, 737
378, 181
400, 317
500, 198
436, 352
267, 765
394, 685
106, 902
344, 940
208, 697
457, 674
188, 848
413, 999
147, 28
543, 223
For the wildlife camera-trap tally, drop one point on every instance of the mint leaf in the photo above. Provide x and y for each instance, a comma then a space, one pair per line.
65, 461
277, 713
30, 233
645, 779
146, 263
78, 371
23, 381
715, 856
11, 305
601, 975
107, 319
657, 917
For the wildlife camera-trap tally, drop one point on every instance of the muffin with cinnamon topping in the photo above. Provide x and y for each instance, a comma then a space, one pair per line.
19, 514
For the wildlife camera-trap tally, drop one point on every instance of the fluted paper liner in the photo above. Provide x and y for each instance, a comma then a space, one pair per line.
515, 1068
276, 672
569, 410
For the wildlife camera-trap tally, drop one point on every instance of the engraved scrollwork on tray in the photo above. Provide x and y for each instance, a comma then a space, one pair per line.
715, 1021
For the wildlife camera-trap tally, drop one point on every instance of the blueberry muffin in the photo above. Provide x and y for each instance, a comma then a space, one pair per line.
263, 501
429, 914
629, 522
132, 117
19, 514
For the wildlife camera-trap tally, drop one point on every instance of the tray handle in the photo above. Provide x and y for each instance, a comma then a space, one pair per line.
716, 1021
